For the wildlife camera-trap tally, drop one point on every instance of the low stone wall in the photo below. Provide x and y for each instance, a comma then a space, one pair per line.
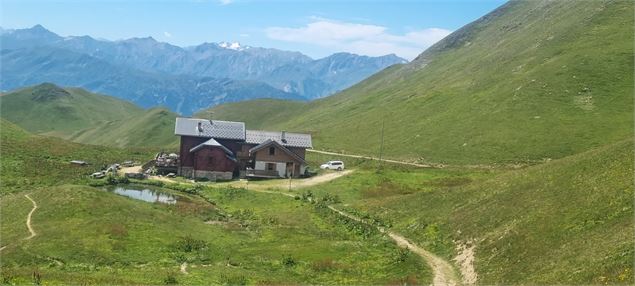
189, 172
212, 175
185, 172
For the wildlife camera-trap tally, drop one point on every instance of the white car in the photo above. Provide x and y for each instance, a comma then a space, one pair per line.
333, 165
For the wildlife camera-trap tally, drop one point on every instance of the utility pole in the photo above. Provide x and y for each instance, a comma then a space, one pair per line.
381, 145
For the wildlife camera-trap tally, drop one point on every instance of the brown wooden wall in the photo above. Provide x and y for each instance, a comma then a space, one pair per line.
213, 159
241, 150
279, 156
187, 143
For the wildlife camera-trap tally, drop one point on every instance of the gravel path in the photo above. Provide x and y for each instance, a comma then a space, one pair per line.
370, 158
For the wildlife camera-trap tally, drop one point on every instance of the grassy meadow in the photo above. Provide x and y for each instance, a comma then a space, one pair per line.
86, 235
90, 236
29, 161
565, 221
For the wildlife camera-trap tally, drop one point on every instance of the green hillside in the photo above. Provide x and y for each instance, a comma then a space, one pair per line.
82, 116
47, 108
154, 127
568, 221
30, 161
256, 114
531, 80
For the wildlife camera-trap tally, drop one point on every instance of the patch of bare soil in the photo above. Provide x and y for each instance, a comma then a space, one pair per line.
465, 260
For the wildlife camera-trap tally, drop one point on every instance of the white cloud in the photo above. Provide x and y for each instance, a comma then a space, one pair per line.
225, 2
365, 39
167, 34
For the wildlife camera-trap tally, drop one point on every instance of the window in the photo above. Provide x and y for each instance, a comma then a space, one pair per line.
272, 151
271, 166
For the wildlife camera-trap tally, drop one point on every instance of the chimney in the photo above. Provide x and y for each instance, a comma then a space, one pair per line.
283, 137
200, 127
211, 117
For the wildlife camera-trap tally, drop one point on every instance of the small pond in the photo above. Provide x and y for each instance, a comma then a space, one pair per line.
143, 193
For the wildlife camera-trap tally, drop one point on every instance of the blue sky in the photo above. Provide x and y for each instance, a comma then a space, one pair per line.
316, 28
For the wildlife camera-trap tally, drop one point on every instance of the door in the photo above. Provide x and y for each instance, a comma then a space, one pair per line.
289, 170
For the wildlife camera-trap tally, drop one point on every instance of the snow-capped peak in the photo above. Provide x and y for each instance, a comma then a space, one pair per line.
232, 46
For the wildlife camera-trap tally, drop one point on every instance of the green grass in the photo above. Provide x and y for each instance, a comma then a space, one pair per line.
531, 81
81, 116
30, 161
565, 221
47, 108
154, 127
98, 237
101, 237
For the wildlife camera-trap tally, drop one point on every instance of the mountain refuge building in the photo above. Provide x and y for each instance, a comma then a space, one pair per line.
222, 150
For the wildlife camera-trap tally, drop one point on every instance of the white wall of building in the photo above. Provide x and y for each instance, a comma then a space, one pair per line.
281, 168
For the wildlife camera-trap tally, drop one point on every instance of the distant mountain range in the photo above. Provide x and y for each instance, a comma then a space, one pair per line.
185, 80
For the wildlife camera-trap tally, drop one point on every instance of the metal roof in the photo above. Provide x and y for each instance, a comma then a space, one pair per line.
292, 139
209, 128
211, 143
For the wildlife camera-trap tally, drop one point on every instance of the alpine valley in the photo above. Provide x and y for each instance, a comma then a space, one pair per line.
184, 80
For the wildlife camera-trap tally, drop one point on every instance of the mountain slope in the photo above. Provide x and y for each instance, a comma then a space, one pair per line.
47, 108
81, 116
154, 127
567, 221
531, 80
255, 113
31, 162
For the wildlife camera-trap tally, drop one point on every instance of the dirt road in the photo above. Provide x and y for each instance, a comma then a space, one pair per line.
370, 158
303, 183
443, 272
28, 218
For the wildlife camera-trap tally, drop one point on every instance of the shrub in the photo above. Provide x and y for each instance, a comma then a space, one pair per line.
400, 255
189, 244
331, 199
7, 277
170, 279
288, 261
307, 196
115, 180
